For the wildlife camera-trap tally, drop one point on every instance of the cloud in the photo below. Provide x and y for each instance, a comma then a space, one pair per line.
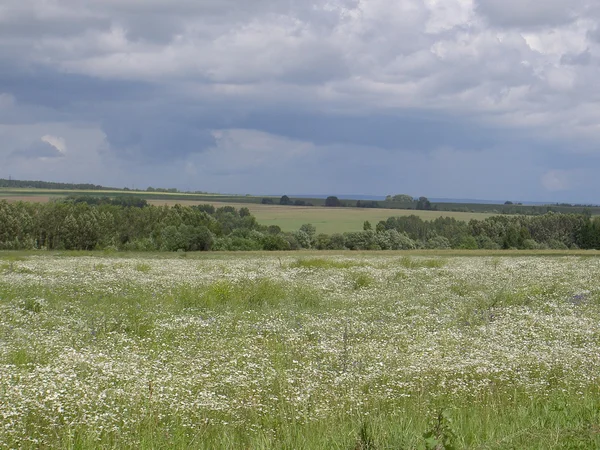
584, 58
155, 139
42, 149
57, 142
229, 89
556, 180
530, 13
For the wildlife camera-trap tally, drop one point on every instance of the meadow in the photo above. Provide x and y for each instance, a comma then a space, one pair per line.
299, 350
327, 220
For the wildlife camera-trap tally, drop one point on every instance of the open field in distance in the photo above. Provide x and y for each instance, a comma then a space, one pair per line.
300, 350
329, 220
289, 218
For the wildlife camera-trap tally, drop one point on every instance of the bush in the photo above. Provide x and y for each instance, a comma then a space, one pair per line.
275, 242
140, 245
273, 229
530, 244
487, 243
337, 242
361, 240
303, 239
555, 244
438, 242
467, 243
291, 239
395, 241
322, 241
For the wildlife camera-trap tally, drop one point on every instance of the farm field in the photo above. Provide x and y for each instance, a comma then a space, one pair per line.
299, 350
328, 220
289, 218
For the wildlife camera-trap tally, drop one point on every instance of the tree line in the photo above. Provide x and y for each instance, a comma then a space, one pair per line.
24, 184
74, 224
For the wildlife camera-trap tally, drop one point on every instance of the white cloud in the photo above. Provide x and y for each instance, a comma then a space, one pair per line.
55, 141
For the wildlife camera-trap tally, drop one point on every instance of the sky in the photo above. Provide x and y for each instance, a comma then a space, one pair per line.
489, 99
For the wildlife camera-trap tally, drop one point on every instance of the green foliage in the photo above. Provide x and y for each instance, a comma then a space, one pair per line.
303, 239
393, 240
423, 203
273, 242
438, 242
441, 436
34, 305
399, 198
79, 225
360, 280
247, 294
332, 201
143, 267
367, 204
309, 229
361, 240
126, 201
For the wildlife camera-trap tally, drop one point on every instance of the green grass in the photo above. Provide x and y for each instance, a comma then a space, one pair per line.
318, 351
340, 220
412, 263
322, 263
142, 267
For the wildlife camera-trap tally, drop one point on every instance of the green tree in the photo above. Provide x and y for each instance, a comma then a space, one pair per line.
423, 204
309, 229
274, 242
332, 201
399, 198
70, 233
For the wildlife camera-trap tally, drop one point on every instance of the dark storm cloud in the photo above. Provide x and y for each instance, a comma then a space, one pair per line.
413, 131
39, 85
529, 13
40, 149
151, 139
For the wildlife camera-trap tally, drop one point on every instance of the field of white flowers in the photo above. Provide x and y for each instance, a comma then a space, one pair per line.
352, 351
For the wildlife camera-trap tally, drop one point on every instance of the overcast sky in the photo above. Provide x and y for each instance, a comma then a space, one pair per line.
491, 99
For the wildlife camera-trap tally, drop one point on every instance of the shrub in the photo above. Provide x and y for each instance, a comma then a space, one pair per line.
337, 242
467, 243
530, 244
437, 242
275, 242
